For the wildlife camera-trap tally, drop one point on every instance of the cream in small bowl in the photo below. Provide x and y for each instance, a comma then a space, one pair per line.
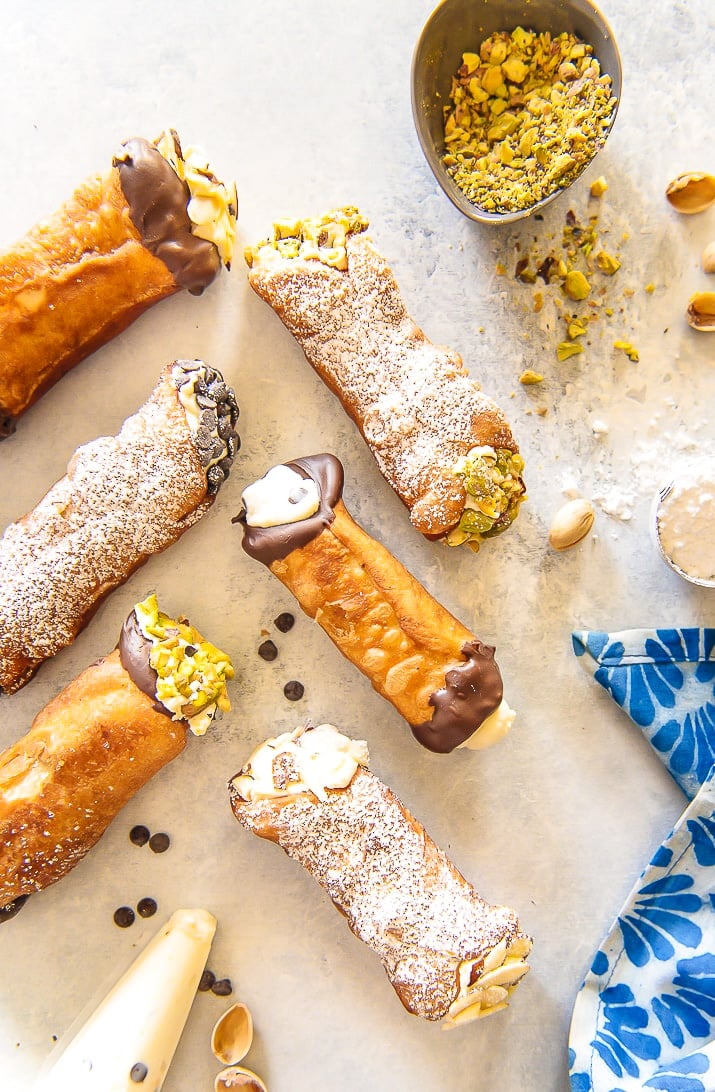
683, 522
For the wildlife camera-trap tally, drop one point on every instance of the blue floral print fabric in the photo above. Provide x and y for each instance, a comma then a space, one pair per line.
664, 679
645, 1015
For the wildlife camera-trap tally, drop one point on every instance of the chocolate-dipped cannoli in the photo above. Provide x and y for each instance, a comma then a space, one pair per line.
123, 498
98, 742
439, 676
449, 955
156, 222
444, 447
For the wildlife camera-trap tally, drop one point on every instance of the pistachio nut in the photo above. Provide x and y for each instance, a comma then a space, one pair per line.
701, 311
691, 192
571, 523
708, 258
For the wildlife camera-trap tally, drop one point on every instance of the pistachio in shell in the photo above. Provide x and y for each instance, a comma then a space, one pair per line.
701, 311
708, 258
691, 192
232, 1035
571, 523
236, 1077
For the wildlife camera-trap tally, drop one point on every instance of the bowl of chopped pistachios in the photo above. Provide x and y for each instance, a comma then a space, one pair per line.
512, 99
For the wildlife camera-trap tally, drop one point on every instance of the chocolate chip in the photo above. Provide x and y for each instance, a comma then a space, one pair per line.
209, 419
284, 621
267, 650
190, 650
146, 908
124, 917
224, 427
203, 401
139, 835
138, 1072
222, 987
206, 981
219, 391
159, 843
215, 478
294, 690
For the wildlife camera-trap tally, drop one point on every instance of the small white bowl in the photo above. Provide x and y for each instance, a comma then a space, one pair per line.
697, 522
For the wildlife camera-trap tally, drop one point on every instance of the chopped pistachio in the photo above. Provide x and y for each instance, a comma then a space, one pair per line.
575, 285
529, 377
576, 327
650, 288
628, 349
320, 239
599, 187
492, 478
606, 263
565, 349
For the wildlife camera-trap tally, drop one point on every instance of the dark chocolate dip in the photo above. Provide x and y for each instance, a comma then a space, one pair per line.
134, 655
11, 908
158, 201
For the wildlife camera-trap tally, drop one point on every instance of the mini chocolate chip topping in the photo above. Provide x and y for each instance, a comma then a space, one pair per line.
294, 690
222, 987
216, 439
146, 908
124, 917
267, 650
159, 843
139, 835
269, 544
206, 981
158, 201
284, 622
471, 692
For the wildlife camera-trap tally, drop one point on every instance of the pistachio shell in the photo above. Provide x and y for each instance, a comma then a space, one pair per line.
691, 192
701, 311
232, 1034
708, 258
238, 1077
571, 523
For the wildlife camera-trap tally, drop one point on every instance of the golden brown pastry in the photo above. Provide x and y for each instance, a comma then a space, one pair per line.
444, 447
93, 746
123, 498
438, 675
156, 222
449, 955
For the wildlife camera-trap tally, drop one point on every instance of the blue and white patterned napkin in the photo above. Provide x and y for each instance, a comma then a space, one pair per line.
645, 1015
665, 680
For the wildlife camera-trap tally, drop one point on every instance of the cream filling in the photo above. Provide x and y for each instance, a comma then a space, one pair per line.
212, 207
140, 1021
491, 730
320, 758
280, 496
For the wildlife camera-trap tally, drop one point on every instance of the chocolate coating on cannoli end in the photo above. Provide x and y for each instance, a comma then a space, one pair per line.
11, 908
471, 692
158, 201
269, 544
134, 656
7, 423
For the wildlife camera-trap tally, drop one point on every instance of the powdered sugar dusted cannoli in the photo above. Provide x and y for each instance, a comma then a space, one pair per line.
439, 676
445, 448
449, 955
123, 498
98, 742
158, 220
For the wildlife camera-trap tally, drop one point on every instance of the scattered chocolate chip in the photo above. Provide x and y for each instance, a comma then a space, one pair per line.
159, 843
267, 650
215, 478
124, 917
206, 981
139, 835
138, 1072
284, 621
146, 908
222, 987
190, 650
11, 908
294, 690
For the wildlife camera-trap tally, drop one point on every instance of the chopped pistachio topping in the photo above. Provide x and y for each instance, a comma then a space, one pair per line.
599, 187
495, 489
319, 239
191, 672
527, 113
575, 285
630, 350
565, 349
607, 263
529, 377
213, 207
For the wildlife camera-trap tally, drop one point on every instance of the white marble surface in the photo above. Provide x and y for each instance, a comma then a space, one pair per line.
307, 105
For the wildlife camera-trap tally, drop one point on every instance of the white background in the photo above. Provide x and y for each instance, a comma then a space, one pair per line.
307, 106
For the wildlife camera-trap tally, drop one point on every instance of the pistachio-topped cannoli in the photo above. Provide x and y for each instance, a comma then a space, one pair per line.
123, 498
444, 447
158, 220
439, 676
449, 955
98, 742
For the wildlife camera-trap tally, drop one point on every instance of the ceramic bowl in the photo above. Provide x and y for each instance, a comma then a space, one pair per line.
456, 26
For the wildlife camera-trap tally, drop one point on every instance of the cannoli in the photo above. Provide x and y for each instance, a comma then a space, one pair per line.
439, 676
444, 447
131, 1037
123, 499
98, 742
449, 955
156, 222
